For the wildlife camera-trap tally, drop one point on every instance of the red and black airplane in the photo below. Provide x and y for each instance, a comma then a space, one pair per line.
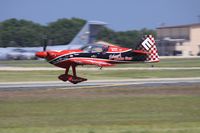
101, 54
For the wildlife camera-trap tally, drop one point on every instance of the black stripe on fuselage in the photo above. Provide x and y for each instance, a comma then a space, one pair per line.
124, 56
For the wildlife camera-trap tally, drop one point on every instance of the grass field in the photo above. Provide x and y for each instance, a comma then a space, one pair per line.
182, 62
129, 109
101, 74
117, 109
14, 76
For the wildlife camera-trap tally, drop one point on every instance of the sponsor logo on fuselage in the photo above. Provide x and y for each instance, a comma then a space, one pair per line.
119, 57
108, 56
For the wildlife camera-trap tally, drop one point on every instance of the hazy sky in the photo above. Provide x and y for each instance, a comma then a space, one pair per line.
119, 14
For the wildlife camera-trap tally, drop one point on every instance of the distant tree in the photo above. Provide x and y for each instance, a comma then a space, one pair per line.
107, 34
20, 33
63, 30
126, 38
23, 33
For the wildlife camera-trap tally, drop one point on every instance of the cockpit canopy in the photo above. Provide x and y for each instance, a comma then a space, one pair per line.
95, 48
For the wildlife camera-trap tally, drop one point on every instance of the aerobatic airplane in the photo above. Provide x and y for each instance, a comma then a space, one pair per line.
101, 54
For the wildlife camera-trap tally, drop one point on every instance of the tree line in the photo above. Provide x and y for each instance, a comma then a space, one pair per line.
24, 33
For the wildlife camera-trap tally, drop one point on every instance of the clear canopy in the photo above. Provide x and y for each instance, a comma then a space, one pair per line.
95, 48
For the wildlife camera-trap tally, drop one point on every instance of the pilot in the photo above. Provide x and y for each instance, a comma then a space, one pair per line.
104, 48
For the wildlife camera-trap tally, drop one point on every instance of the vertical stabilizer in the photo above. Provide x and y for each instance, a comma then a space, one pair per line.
149, 45
88, 33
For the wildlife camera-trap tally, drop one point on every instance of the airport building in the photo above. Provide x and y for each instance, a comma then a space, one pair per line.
181, 40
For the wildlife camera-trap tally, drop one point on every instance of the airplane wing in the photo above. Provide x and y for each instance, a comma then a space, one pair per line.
83, 61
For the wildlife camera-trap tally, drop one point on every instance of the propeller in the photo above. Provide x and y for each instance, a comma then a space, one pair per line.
45, 43
44, 53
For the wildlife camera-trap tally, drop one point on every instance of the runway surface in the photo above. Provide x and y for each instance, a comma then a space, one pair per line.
97, 83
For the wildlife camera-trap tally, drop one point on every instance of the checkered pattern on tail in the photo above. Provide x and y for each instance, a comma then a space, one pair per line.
149, 46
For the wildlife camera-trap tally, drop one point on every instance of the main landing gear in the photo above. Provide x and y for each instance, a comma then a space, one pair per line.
71, 78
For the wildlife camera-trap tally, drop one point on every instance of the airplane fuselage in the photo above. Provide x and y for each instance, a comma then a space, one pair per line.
61, 59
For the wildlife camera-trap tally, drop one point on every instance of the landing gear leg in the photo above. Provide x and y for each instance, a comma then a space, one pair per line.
74, 79
64, 77
74, 70
71, 78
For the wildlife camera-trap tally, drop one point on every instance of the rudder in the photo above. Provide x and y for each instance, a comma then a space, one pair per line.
149, 45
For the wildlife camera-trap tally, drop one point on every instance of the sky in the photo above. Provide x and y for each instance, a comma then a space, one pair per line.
120, 15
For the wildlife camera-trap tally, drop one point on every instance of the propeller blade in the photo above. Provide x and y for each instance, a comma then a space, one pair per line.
45, 44
44, 47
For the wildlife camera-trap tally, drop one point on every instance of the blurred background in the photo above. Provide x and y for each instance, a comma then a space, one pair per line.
28, 23
128, 98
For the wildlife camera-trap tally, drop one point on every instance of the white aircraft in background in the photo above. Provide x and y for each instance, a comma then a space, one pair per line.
86, 35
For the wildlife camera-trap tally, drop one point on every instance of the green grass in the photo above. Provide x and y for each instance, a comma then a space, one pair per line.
104, 74
25, 63
99, 111
182, 62
20, 76
185, 62
9, 76
124, 74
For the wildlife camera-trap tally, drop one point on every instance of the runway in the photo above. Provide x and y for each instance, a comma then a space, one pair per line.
97, 83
